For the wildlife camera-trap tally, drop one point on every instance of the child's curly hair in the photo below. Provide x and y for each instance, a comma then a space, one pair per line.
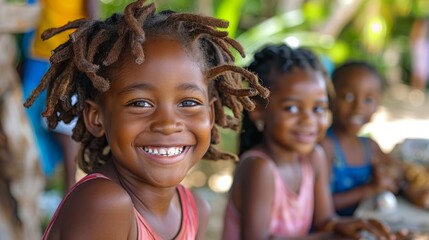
77, 68
278, 58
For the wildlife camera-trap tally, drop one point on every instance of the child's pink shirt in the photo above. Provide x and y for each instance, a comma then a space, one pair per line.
188, 227
291, 214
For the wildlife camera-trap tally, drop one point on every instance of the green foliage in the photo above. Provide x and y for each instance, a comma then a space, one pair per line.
315, 12
230, 10
375, 27
108, 7
420, 8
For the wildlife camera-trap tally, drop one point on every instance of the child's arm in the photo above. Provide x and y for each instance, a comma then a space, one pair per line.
254, 201
325, 218
382, 179
349, 198
405, 177
97, 209
394, 166
328, 149
204, 211
323, 205
353, 196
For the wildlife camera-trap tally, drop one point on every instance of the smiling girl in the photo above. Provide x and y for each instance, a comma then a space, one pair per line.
281, 184
150, 89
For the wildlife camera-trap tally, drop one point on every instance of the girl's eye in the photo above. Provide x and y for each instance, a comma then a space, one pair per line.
189, 103
320, 109
140, 103
292, 109
369, 100
349, 97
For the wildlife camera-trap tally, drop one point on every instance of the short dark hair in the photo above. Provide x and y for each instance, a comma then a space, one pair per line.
350, 64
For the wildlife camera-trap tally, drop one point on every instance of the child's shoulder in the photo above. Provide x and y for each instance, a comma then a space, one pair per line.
257, 158
372, 144
99, 191
254, 176
328, 145
371, 141
318, 157
256, 162
98, 203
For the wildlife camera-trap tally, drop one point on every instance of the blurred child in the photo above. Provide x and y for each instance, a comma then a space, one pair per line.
151, 88
359, 168
54, 145
281, 184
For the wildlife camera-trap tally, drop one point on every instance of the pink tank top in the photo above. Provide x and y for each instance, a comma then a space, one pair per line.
291, 215
188, 228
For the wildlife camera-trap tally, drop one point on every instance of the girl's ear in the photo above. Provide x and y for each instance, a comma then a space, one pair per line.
257, 114
92, 118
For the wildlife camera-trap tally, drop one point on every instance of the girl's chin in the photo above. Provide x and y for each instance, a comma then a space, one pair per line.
354, 132
305, 149
353, 129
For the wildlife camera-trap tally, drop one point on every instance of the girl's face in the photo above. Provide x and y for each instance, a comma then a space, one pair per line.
296, 115
357, 98
157, 117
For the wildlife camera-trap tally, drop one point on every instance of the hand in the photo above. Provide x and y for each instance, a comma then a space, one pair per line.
361, 228
419, 197
399, 235
383, 180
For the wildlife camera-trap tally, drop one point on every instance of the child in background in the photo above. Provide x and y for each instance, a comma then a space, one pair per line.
360, 169
150, 89
281, 184
54, 145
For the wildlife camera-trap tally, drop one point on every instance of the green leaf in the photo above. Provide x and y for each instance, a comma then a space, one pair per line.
230, 10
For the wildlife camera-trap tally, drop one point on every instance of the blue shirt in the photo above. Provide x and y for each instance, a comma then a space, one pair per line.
345, 177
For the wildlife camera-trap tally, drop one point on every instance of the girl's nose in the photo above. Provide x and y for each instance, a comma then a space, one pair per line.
307, 117
167, 121
358, 104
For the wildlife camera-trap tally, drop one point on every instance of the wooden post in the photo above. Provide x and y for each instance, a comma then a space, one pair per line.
21, 179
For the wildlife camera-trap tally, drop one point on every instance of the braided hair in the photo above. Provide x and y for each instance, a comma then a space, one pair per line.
267, 62
78, 69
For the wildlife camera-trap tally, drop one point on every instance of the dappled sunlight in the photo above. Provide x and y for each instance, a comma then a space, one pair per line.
403, 114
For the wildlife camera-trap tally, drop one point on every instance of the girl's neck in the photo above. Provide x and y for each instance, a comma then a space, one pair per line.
145, 197
279, 154
346, 138
342, 132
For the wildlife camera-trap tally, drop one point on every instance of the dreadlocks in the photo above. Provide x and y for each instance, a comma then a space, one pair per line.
77, 68
274, 59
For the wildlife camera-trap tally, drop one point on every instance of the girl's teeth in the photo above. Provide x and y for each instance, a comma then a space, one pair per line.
171, 151
164, 151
